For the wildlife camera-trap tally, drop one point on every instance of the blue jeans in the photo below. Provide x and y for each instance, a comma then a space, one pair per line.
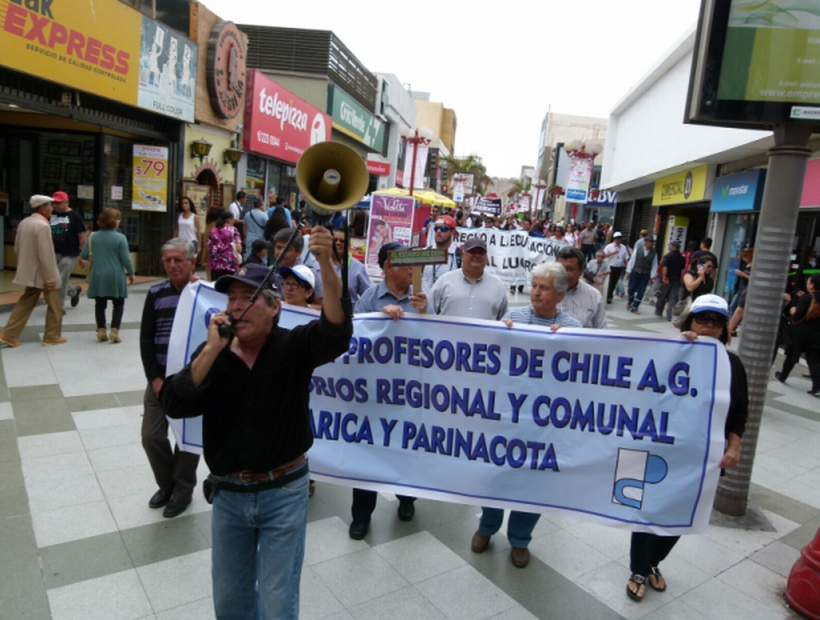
637, 287
258, 545
519, 526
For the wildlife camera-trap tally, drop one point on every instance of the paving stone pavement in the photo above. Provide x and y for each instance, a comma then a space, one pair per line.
77, 540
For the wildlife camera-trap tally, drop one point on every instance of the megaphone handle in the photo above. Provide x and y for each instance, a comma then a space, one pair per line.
345, 290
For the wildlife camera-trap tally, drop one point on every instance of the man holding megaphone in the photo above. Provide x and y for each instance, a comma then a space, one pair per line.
251, 387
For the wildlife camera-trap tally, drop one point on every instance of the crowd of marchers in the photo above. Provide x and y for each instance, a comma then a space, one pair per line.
256, 436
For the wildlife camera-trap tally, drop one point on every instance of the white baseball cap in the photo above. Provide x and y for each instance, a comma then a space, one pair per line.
710, 303
300, 272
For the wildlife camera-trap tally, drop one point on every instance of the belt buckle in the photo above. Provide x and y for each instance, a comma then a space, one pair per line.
245, 476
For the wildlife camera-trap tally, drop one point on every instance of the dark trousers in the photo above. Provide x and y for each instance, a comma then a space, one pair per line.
648, 550
614, 275
813, 360
364, 503
589, 251
100, 306
667, 293
636, 289
173, 469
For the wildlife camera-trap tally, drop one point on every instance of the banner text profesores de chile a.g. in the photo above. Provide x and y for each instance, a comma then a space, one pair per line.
613, 427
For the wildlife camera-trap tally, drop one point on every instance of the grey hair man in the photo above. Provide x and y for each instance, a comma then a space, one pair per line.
174, 470
581, 301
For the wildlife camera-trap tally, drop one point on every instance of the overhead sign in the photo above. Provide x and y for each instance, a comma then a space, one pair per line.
580, 173
149, 190
278, 123
104, 48
352, 119
739, 192
811, 185
167, 71
620, 428
226, 69
755, 64
379, 168
603, 199
463, 182
689, 186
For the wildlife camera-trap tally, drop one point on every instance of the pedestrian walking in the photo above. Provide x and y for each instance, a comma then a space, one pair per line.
37, 271
107, 249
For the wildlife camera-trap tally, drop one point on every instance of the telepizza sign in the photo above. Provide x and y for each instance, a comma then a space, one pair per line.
278, 123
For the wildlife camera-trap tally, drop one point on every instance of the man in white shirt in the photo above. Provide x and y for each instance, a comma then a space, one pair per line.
618, 255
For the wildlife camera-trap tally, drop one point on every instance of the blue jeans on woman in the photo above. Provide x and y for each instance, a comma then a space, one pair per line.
258, 545
519, 526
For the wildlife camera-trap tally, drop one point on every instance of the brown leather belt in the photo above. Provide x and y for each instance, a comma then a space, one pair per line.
247, 477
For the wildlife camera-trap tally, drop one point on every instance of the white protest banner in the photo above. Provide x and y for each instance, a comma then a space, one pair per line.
511, 254
613, 427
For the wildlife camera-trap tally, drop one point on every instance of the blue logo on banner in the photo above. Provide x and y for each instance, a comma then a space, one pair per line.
576, 194
636, 469
208, 314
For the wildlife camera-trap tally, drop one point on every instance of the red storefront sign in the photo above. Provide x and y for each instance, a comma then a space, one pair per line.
379, 168
281, 124
811, 185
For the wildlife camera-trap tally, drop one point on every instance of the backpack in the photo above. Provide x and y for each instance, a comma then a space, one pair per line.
813, 312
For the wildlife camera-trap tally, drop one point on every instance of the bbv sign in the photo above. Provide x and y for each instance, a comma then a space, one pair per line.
604, 199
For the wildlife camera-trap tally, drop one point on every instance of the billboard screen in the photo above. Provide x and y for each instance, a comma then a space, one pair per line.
756, 64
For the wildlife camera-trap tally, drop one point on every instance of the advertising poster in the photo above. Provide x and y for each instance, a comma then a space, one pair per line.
167, 83
617, 428
104, 48
421, 165
150, 174
92, 46
464, 181
771, 53
280, 124
391, 219
580, 173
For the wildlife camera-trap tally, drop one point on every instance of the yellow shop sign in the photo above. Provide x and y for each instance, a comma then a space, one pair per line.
689, 186
93, 46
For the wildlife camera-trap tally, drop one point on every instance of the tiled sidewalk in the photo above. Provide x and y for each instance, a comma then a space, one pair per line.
77, 540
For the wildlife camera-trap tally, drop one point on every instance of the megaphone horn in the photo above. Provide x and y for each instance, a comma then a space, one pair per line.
332, 176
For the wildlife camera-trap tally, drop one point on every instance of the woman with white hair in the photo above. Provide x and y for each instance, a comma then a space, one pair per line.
549, 284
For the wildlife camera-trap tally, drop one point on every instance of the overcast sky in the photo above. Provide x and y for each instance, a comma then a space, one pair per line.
500, 65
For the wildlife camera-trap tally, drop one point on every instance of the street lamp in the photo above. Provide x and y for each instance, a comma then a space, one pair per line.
415, 137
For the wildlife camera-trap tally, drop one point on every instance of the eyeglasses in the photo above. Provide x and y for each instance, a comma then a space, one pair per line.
291, 284
443, 229
716, 320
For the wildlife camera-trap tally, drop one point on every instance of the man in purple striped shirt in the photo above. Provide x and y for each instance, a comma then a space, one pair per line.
174, 470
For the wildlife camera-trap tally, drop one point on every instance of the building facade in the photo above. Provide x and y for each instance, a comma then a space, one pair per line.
691, 181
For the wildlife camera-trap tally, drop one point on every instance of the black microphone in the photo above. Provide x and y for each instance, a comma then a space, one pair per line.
226, 330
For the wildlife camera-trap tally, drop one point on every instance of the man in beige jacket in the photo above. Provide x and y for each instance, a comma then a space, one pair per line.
37, 271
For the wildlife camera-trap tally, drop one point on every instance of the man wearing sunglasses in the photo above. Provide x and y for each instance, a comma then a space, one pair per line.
443, 234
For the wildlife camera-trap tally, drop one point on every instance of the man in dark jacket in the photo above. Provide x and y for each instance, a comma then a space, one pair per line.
251, 386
